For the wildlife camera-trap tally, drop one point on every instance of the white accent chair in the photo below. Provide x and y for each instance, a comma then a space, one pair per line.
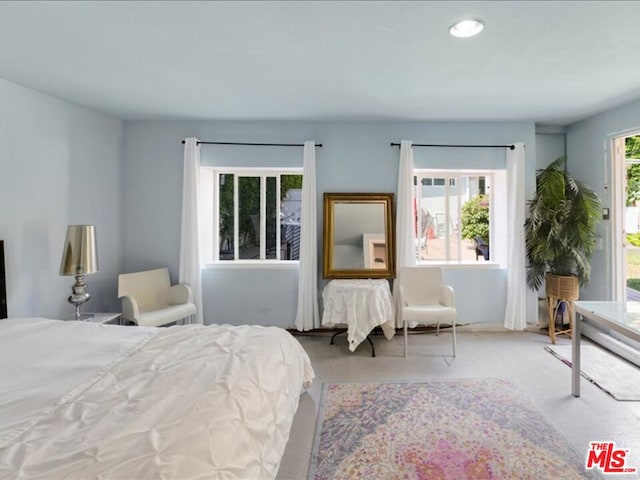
149, 300
425, 299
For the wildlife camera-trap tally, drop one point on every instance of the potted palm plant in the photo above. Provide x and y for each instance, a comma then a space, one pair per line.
560, 234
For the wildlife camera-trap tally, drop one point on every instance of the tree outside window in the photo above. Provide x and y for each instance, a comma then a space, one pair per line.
632, 151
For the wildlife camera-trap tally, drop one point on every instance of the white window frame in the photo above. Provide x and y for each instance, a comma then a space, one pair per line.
210, 216
455, 174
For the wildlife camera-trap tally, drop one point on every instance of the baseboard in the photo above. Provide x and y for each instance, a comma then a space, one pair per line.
376, 331
467, 327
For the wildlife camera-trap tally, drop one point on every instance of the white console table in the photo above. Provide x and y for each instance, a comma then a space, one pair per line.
623, 317
362, 305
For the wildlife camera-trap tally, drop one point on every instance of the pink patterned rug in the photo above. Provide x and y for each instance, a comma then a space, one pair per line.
466, 429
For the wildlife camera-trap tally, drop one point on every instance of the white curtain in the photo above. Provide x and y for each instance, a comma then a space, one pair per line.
406, 243
307, 314
190, 272
515, 317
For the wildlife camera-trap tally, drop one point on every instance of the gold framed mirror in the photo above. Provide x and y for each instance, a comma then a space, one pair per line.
358, 235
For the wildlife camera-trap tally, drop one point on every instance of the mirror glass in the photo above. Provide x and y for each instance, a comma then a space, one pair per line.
358, 235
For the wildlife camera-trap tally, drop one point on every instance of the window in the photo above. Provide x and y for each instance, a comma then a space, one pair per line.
256, 215
453, 212
438, 181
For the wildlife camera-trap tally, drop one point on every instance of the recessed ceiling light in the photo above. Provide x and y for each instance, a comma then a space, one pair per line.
466, 28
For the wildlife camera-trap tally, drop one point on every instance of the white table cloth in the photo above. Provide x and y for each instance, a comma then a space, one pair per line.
360, 304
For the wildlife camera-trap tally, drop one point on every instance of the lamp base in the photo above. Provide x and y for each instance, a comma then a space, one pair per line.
79, 295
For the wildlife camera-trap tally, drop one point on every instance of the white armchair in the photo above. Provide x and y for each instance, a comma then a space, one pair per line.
425, 299
149, 300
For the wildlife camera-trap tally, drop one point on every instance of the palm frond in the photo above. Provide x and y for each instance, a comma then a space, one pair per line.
561, 228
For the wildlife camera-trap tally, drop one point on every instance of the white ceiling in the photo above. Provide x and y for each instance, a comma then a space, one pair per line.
549, 62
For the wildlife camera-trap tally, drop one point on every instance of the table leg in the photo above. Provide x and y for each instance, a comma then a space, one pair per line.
373, 350
339, 332
575, 353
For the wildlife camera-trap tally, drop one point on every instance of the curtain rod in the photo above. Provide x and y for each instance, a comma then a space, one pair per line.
510, 147
255, 144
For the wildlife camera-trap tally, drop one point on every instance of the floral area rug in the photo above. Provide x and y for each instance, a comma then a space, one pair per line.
465, 429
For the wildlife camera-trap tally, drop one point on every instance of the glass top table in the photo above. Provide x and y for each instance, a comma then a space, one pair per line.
623, 317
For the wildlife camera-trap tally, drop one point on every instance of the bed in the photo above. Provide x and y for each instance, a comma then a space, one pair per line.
83, 400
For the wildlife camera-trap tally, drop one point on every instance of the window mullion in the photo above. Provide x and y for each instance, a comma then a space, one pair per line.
263, 217
216, 216
236, 222
488, 190
459, 216
278, 246
447, 217
417, 201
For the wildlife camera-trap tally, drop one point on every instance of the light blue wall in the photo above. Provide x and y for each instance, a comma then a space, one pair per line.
588, 145
356, 157
549, 146
63, 164
59, 164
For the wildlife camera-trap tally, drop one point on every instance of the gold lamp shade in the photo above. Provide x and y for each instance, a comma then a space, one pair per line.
80, 254
79, 258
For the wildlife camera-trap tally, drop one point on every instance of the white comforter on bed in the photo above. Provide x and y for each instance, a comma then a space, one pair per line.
80, 400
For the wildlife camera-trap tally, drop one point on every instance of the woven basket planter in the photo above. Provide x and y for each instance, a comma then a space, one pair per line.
563, 287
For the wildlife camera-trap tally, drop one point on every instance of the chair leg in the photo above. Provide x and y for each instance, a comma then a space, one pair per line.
437, 329
453, 325
405, 337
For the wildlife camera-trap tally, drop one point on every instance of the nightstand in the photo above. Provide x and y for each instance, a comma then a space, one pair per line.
112, 318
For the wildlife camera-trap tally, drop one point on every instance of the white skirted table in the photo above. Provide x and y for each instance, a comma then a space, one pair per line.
360, 304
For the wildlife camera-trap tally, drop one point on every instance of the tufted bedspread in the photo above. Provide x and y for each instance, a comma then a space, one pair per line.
87, 401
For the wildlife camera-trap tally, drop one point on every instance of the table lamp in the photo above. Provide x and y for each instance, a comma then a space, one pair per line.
79, 258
